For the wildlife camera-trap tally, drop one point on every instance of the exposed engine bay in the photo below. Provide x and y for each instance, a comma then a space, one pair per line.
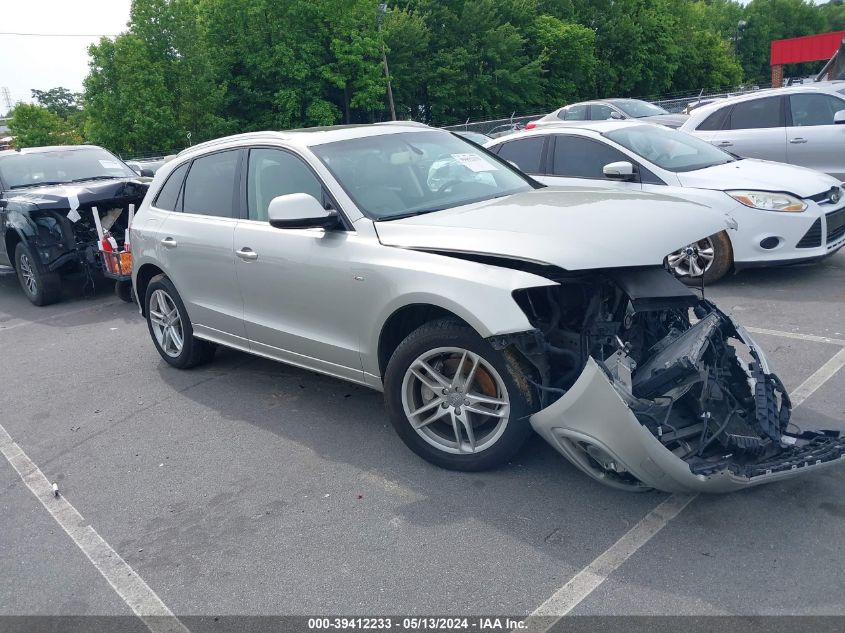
626, 351
58, 221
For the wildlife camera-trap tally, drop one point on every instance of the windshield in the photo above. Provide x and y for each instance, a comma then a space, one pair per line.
669, 149
61, 166
409, 173
636, 109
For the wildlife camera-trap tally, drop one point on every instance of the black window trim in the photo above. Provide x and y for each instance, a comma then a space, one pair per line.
236, 206
327, 194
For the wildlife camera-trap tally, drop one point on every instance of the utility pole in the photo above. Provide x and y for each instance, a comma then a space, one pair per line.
382, 9
7, 98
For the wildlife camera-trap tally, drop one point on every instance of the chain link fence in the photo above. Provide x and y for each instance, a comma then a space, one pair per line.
676, 102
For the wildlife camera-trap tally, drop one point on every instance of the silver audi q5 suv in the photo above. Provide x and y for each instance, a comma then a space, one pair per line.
482, 304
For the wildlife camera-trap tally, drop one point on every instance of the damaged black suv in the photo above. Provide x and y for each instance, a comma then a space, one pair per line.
47, 229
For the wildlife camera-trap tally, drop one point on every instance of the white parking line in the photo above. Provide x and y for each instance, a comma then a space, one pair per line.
593, 575
797, 335
123, 579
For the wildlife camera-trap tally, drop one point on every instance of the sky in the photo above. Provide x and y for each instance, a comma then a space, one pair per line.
48, 62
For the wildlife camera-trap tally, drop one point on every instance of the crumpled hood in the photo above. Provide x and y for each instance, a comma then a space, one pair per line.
572, 228
750, 173
87, 193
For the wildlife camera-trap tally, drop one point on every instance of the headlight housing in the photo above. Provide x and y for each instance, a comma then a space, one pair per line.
769, 201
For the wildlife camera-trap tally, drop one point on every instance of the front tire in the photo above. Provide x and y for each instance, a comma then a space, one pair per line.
711, 258
40, 287
171, 328
455, 401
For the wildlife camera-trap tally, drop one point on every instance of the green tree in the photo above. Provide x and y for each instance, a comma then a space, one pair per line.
36, 126
60, 101
773, 20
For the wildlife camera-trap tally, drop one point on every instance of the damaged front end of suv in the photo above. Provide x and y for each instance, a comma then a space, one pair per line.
645, 385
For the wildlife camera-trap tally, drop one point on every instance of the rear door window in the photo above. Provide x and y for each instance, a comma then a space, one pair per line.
576, 113
525, 153
600, 112
757, 114
210, 186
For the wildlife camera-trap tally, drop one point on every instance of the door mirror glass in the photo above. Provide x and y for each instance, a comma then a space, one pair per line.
622, 170
839, 117
300, 211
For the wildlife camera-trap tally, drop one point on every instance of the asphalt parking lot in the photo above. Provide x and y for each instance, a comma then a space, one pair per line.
248, 487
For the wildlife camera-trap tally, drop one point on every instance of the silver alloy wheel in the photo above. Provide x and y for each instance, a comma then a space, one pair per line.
28, 275
166, 323
455, 400
694, 259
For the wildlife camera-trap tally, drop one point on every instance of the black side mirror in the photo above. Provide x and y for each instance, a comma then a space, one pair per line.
3, 203
147, 173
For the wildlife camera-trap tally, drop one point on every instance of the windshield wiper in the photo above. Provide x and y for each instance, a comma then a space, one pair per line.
87, 178
409, 214
46, 183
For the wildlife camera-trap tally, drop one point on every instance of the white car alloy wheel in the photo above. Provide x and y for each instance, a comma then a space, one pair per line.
694, 259
455, 400
166, 323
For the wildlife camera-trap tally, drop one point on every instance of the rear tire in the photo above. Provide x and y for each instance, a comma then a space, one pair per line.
480, 420
686, 262
170, 327
40, 287
123, 290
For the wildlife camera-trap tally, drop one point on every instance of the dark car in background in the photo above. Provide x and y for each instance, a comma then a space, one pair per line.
47, 228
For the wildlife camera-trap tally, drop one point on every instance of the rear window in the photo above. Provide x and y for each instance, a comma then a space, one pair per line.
757, 114
169, 194
525, 153
715, 121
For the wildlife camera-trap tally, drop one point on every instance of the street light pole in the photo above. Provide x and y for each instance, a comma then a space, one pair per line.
382, 9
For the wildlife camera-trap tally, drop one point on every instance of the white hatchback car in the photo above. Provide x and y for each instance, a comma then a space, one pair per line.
783, 214
801, 125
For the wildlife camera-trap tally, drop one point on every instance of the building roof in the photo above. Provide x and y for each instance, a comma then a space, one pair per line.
810, 48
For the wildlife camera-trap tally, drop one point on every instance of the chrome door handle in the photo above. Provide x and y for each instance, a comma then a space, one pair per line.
247, 254
169, 242
797, 141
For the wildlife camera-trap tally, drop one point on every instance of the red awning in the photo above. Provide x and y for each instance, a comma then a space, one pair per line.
810, 48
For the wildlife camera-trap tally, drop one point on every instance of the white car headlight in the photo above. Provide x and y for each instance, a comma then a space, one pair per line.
768, 201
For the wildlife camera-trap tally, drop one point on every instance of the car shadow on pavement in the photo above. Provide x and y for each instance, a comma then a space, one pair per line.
538, 498
79, 305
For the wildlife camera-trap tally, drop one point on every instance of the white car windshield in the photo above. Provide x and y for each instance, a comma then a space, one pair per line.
409, 173
669, 149
61, 166
636, 109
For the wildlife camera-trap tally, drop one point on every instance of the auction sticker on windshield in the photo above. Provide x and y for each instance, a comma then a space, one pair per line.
474, 162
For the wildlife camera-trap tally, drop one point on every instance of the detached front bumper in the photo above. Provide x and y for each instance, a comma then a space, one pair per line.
594, 427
